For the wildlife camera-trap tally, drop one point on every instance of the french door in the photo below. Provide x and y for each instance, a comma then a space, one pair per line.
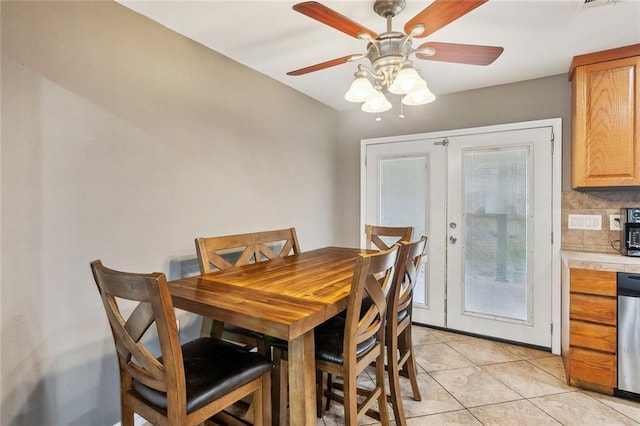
483, 197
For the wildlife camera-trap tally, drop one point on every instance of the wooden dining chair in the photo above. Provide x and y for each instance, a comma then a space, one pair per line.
400, 354
187, 384
346, 346
384, 237
218, 253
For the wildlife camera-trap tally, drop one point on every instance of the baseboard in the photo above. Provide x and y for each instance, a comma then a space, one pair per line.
137, 421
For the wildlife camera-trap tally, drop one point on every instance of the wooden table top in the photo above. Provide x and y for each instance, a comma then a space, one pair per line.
283, 297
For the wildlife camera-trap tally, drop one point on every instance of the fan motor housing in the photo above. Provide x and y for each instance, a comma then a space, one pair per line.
388, 8
388, 50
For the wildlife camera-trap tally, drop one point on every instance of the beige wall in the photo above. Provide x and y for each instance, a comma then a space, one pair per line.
529, 100
122, 140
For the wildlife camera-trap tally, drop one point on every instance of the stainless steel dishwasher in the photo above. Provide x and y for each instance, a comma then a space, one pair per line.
629, 334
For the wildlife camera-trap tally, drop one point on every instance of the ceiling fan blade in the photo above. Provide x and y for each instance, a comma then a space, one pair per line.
330, 17
460, 53
441, 13
323, 65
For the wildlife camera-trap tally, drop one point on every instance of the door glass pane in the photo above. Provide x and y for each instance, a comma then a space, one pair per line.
403, 195
496, 208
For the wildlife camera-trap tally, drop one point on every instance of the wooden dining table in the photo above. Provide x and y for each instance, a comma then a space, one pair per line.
284, 297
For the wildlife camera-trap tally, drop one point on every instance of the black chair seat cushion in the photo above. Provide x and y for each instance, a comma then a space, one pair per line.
402, 315
329, 341
243, 331
212, 369
366, 304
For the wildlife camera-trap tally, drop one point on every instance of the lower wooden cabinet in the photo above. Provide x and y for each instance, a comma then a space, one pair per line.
588, 366
591, 358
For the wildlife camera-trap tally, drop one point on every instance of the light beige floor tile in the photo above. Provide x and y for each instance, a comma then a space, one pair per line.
628, 408
492, 393
453, 418
526, 353
527, 379
578, 408
520, 412
446, 336
552, 365
435, 399
482, 352
439, 356
423, 335
335, 416
473, 387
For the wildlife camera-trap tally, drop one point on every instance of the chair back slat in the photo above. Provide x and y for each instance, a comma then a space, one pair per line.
217, 253
154, 307
372, 279
384, 237
406, 275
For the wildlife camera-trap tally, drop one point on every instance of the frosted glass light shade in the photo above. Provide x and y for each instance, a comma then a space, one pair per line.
360, 90
419, 97
376, 104
407, 81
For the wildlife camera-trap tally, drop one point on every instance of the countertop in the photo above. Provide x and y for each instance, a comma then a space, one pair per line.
600, 261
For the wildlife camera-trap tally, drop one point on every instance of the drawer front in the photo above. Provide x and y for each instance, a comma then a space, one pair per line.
593, 367
602, 283
592, 336
593, 308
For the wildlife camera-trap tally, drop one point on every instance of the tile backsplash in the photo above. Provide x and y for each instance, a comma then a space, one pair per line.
601, 203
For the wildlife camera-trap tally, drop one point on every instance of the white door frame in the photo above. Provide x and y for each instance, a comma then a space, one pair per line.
556, 167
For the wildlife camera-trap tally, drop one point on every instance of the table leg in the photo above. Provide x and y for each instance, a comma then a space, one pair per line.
302, 380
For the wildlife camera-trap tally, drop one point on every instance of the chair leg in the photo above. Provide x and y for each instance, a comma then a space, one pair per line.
279, 388
382, 400
265, 404
406, 346
320, 391
350, 399
127, 414
125, 384
329, 388
394, 381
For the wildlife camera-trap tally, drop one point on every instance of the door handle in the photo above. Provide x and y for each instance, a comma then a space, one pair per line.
452, 239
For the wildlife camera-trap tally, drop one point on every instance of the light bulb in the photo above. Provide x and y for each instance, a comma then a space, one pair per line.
360, 90
378, 103
419, 97
406, 81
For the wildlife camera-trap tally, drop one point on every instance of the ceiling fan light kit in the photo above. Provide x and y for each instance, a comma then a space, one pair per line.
388, 53
361, 90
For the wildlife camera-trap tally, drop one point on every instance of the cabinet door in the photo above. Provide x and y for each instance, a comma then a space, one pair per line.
606, 124
600, 310
593, 336
589, 281
593, 367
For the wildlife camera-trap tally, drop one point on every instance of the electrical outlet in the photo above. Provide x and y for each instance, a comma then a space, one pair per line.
614, 222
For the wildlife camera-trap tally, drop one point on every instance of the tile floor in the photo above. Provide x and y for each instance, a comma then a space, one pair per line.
469, 381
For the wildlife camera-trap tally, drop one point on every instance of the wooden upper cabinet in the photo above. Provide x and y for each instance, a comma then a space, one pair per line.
606, 118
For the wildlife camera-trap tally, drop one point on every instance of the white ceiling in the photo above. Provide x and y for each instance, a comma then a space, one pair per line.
540, 37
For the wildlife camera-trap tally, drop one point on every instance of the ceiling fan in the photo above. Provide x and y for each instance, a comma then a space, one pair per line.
388, 52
